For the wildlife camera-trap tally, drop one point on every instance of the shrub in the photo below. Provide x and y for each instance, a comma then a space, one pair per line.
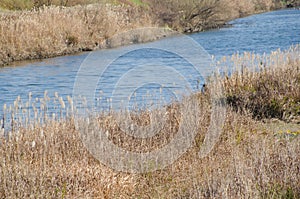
266, 91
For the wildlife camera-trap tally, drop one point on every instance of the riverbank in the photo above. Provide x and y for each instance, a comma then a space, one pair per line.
257, 155
49, 31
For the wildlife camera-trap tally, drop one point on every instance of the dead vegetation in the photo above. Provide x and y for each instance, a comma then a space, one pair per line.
53, 31
264, 87
45, 157
46, 28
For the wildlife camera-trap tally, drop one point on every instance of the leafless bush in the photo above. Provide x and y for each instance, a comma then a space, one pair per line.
187, 16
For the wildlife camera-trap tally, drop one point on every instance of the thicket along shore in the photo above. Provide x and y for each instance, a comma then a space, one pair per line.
42, 29
257, 155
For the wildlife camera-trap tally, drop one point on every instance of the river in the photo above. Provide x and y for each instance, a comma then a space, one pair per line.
258, 33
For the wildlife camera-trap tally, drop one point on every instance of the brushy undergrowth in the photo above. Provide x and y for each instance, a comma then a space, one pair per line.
47, 28
266, 86
45, 157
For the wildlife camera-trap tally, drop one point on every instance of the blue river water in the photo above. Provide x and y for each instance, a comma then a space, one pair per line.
260, 33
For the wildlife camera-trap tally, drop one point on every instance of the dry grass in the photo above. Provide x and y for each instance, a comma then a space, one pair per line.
29, 4
251, 160
195, 15
53, 31
49, 29
266, 86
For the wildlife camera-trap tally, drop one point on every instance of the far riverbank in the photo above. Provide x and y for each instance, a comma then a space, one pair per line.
50, 31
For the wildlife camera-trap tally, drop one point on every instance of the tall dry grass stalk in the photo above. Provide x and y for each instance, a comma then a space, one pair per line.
251, 160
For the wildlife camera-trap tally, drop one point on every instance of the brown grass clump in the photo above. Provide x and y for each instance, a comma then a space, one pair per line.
51, 161
267, 86
29, 4
45, 156
53, 31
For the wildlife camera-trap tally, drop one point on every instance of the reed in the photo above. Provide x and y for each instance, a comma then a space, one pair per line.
254, 158
47, 28
29, 4
266, 85
52, 31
